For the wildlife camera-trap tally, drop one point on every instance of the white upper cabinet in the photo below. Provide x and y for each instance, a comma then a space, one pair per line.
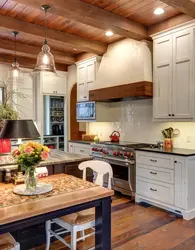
81, 83
86, 76
53, 84
162, 77
174, 75
183, 71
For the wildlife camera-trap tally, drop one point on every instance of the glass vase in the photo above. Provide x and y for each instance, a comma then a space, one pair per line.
30, 180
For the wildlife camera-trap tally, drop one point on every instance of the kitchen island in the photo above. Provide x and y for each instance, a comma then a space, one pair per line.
58, 162
69, 195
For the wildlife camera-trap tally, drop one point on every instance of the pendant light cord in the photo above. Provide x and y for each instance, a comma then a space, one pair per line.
15, 48
45, 42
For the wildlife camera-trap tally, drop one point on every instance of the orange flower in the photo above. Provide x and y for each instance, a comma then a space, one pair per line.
44, 155
28, 150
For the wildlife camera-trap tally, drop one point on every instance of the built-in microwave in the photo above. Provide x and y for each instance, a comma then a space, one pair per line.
93, 111
86, 111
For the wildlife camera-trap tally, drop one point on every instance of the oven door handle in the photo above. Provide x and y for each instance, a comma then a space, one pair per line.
120, 161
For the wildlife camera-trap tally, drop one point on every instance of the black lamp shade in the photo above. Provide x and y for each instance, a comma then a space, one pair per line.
22, 129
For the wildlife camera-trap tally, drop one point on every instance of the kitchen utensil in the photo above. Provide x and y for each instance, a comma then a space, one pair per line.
115, 136
170, 132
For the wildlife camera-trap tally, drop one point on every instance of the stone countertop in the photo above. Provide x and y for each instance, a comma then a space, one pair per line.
174, 151
55, 157
58, 157
80, 141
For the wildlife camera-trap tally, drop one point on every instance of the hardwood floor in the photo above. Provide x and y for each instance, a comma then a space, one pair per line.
137, 227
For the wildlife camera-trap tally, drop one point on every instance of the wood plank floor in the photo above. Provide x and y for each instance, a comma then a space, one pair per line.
138, 227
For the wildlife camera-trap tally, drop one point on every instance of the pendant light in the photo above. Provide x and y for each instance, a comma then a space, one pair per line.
14, 72
45, 60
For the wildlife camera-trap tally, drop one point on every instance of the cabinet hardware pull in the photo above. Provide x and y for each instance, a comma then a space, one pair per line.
175, 161
152, 189
152, 172
84, 96
169, 114
153, 160
81, 150
173, 115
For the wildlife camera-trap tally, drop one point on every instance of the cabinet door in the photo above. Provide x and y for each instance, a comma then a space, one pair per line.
162, 77
60, 85
25, 100
48, 83
90, 76
180, 183
81, 83
183, 77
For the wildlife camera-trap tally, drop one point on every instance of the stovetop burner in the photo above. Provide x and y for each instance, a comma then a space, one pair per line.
125, 144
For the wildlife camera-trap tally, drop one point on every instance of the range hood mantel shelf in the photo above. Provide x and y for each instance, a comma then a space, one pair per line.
137, 90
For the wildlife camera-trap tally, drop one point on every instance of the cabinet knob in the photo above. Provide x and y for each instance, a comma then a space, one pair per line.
173, 115
169, 114
175, 161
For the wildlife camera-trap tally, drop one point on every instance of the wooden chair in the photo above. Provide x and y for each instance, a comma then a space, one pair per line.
80, 221
7, 242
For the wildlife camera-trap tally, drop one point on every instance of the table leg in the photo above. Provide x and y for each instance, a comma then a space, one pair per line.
103, 225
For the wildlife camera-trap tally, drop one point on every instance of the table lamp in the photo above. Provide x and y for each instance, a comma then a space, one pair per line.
19, 129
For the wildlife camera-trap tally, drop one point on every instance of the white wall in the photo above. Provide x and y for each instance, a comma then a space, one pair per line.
135, 123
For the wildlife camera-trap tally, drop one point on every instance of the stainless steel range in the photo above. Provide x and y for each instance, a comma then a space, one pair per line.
121, 156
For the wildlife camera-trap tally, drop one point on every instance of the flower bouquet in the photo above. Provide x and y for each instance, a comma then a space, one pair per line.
28, 156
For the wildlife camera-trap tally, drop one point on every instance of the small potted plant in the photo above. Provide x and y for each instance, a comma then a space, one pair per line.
28, 156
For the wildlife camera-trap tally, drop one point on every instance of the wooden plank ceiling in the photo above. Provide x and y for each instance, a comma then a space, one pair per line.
77, 26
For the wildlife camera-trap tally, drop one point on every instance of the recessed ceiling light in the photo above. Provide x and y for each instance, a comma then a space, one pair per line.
109, 33
159, 11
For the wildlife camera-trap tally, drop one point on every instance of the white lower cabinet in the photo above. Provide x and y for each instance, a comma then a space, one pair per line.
169, 185
79, 148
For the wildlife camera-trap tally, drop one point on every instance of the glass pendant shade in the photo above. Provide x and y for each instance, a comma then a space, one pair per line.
15, 74
45, 60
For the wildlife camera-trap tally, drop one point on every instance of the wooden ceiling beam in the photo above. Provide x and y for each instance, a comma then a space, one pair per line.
93, 16
185, 6
54, 37
26, 62
32, 52
169, 23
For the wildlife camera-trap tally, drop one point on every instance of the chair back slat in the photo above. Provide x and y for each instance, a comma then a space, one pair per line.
100, 167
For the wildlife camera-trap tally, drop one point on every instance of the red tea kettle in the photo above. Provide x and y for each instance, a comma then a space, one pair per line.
114, 137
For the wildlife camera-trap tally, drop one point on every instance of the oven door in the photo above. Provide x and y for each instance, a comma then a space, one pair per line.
123, 175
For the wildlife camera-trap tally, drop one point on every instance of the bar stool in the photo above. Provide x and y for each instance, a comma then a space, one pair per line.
7, 242
80, 221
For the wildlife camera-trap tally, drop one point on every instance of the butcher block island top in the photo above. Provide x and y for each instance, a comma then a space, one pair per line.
68, 191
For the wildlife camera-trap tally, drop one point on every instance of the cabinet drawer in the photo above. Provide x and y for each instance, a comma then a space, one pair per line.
159, 191
155, 159
81, 150
155, 173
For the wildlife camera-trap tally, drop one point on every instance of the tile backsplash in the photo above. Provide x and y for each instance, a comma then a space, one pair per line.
135, 123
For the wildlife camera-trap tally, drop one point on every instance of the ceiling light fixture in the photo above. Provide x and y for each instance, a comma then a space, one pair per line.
14, 72
159, 11
109, 33
45, 60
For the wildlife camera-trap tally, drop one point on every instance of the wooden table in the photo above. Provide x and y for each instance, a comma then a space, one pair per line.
41, 209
